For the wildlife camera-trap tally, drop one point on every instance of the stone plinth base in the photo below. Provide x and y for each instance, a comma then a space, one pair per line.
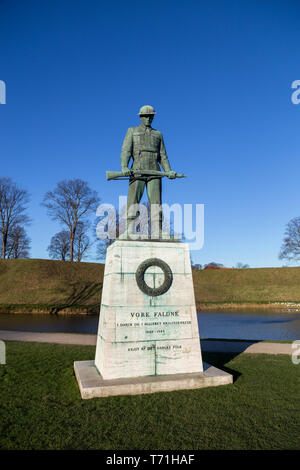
92, 385
148, 320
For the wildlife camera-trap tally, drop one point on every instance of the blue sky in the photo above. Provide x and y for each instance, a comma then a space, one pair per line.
219, 74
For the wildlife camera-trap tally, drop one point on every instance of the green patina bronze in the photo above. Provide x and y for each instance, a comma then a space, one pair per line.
145, 147
140, 277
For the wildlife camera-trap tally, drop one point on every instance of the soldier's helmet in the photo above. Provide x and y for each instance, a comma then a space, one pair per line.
147, 109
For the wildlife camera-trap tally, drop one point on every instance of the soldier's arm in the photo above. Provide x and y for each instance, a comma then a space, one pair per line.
126, 151
164, 161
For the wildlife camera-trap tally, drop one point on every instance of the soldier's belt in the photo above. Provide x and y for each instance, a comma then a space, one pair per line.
140, 151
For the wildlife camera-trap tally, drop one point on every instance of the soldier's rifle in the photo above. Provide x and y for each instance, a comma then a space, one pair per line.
120, 175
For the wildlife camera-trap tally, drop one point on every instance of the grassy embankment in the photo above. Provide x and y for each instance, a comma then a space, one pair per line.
41, 407
46, 286
263, 288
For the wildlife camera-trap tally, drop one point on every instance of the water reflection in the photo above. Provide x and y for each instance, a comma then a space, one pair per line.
50, 323
228, 325
250, 325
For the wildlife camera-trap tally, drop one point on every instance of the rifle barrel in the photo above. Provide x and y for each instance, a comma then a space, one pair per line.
111, 175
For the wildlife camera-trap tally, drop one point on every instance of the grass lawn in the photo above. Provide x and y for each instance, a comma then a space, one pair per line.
244, 287
51, 286
41, 406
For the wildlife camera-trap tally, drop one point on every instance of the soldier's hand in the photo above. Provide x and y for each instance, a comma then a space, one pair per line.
171, 174
127, 172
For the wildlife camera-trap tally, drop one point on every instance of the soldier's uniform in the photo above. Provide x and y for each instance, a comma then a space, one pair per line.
146, 147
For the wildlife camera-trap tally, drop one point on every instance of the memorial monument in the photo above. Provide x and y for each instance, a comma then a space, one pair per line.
148, 337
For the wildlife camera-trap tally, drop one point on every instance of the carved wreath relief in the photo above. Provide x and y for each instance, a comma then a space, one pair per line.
154, 291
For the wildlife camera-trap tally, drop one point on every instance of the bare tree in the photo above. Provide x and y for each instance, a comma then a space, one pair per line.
70, 203
214, 265
196, 267
242, 266
13, 205
18, 243
117, 223
59, 247
101, 248
81, 241
290, 248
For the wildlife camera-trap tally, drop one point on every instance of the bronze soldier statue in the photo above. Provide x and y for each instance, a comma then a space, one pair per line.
146, 147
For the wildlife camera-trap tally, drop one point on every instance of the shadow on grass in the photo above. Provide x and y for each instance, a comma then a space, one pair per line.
220, 360
218, 353
79, 295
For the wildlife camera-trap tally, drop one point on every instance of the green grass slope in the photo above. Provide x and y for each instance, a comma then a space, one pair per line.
48, 284
256, 285
52, 286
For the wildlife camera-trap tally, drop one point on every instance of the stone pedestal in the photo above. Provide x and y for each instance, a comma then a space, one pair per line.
142, 335
148, 330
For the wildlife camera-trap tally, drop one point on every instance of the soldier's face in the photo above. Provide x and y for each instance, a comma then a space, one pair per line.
147, 119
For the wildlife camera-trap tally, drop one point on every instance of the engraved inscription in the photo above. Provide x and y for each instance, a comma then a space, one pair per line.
153, 324
158, 347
